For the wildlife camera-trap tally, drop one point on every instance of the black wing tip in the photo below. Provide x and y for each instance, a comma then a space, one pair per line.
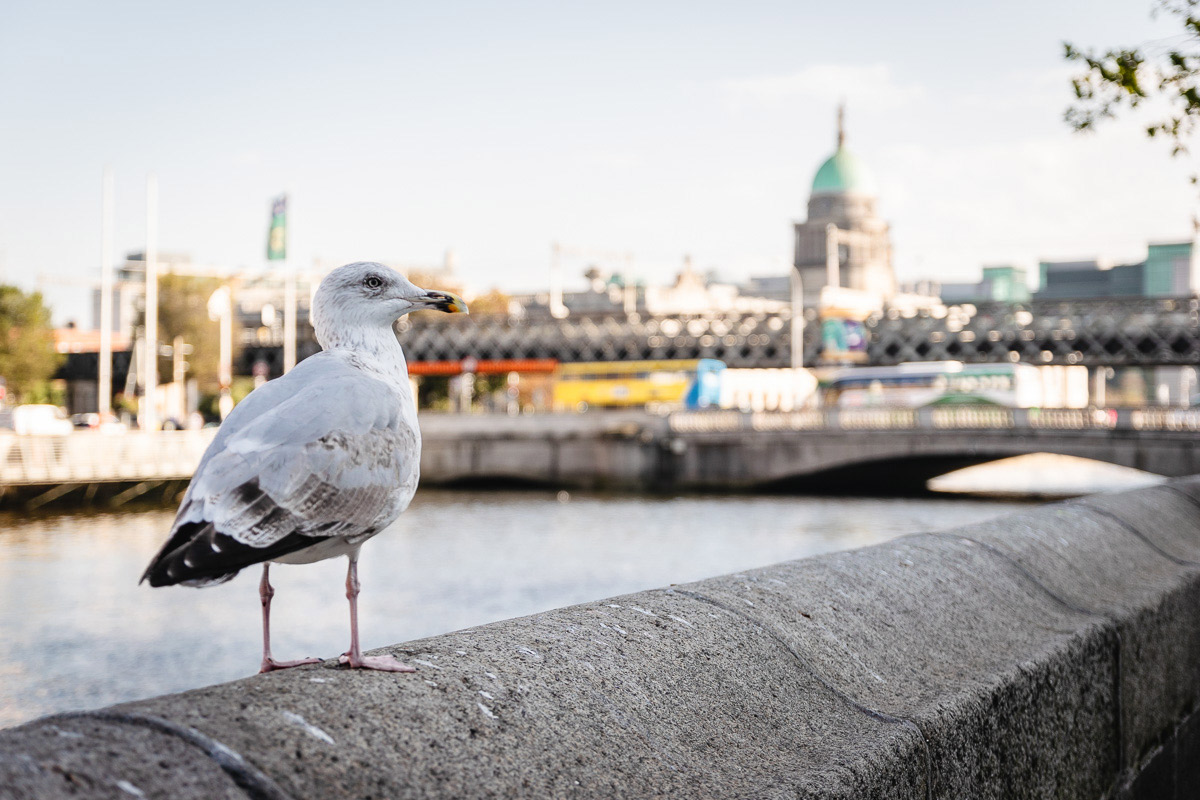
199, 555
156, 574
159, 571
173, 564
173, 571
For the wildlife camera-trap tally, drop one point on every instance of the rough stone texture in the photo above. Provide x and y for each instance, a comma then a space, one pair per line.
1172, 770
80, 757
1054, 653
639, 696
1120, 557
945, 633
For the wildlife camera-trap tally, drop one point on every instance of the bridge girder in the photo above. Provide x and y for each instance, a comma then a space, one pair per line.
1114, 332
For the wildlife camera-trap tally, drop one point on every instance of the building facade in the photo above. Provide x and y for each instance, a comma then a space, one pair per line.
1165, 272
845, 196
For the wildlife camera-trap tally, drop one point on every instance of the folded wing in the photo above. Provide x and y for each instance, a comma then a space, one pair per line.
326, 451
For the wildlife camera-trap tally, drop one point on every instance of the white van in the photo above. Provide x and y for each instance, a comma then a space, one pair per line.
41, 419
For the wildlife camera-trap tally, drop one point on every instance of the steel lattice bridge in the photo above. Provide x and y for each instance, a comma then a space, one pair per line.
1115, 332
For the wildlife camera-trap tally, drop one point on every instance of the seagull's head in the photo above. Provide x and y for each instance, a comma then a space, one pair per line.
370, 294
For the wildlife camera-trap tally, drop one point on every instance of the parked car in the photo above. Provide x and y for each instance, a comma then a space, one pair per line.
86, 420
41, 419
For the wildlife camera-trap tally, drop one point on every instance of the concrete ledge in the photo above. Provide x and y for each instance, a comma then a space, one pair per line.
1055, 653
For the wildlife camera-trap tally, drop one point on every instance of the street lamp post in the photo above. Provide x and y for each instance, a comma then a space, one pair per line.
104, 378
797, 319
220, 309
149, 418
832, 261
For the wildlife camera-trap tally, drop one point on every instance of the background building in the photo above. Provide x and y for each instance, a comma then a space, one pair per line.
1165, 272
844, 195
1001, 284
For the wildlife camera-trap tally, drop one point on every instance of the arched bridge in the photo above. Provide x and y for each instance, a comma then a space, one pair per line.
869, 451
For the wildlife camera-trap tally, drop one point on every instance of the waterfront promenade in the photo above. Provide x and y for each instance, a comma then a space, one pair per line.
900, 448
1053, 653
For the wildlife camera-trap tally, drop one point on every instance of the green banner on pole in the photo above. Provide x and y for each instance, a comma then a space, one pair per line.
277, 235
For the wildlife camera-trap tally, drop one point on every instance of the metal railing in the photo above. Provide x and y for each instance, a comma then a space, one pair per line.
1168, 420
88, 456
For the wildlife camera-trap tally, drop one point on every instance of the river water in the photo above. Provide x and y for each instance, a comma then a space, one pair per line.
77, 631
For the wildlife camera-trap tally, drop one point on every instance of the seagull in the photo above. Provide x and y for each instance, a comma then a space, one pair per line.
311, 465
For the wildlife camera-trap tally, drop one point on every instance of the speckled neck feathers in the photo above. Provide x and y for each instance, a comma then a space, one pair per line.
338, 327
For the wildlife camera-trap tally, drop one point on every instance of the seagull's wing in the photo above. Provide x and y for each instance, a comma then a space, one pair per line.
325, 451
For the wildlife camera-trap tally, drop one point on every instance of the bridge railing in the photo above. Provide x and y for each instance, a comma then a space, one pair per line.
89, 456
1166, 419
1174, 420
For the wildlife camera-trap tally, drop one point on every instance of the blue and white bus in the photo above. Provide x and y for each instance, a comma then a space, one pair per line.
920, 384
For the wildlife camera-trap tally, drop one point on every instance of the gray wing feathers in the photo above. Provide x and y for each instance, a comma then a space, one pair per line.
327, 452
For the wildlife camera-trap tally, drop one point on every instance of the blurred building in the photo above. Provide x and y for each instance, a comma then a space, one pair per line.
1165, 272
79, 370
258, 302
771, 287
844, 195
1000, 284
692, 292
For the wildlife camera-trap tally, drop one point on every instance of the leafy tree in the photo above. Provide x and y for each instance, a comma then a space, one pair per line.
183, 311
28, 357
1128, 77
491, 302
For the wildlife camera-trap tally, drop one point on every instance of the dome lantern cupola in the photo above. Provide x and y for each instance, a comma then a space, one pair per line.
843, 204
843, 172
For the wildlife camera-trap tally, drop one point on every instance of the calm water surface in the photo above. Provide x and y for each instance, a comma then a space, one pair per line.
76, 630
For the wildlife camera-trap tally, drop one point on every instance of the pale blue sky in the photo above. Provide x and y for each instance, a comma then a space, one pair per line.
662, 129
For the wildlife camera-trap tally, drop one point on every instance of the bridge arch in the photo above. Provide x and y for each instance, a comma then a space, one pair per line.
903, 461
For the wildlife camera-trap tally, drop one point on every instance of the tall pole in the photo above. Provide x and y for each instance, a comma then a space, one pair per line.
1194, 258
832, 265
289, 318
630, 286
149, 419
225, 402
797, 320
220, 309
277, 252
104, 378
557, 309
179, 378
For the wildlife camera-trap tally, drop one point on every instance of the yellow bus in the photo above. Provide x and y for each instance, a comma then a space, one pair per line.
631, 384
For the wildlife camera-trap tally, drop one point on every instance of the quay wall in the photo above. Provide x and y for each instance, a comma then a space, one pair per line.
887, 450
1050, 654
884, 450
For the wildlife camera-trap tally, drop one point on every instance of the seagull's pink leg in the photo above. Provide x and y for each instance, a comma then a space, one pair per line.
265, 593
354, 656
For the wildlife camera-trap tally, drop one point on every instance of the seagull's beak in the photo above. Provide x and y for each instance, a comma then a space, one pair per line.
443, 301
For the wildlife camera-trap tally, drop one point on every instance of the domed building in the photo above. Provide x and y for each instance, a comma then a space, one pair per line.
844, 196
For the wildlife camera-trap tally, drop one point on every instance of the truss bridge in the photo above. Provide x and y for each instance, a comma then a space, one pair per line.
1117, 332
1113, 332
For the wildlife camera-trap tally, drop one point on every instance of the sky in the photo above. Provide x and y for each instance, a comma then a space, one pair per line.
402, 130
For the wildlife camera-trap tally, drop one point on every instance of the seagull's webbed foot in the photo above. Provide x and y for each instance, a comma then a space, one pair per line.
381, 663
270, 664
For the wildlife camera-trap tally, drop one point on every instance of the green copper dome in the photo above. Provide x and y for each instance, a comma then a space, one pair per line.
843, 173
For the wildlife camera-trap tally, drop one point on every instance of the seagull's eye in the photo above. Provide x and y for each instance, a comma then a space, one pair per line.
372, 281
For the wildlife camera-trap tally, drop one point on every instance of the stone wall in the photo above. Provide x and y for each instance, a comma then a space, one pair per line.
1055, 653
